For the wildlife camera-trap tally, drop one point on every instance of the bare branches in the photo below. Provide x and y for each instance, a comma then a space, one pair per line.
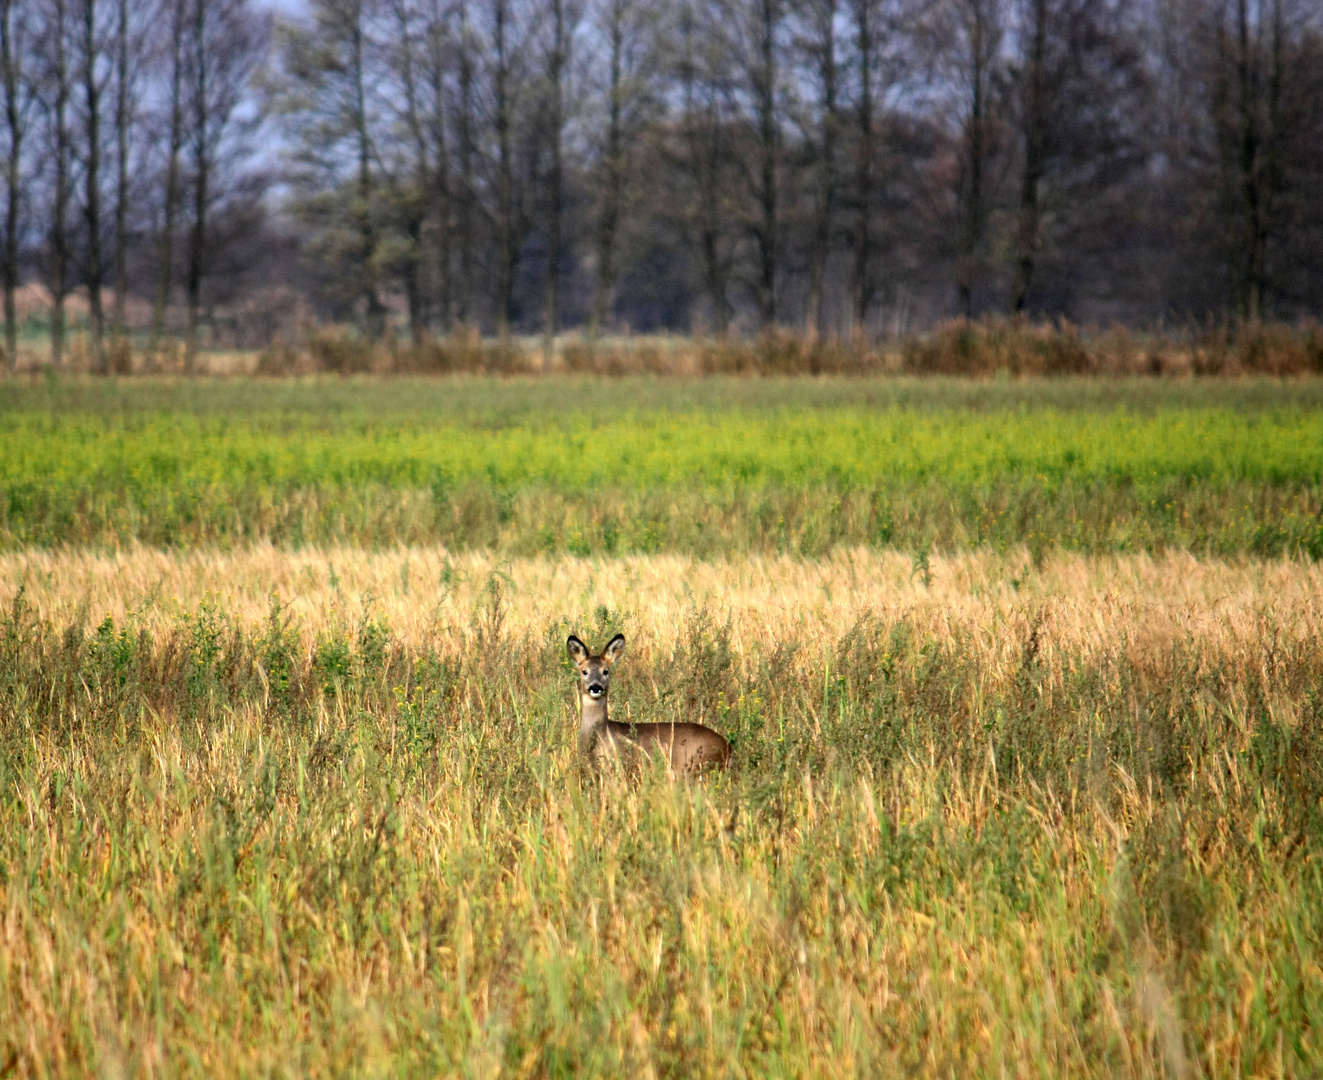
526, 166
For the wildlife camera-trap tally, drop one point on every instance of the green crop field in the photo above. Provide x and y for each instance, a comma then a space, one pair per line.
646, 465
1022, 681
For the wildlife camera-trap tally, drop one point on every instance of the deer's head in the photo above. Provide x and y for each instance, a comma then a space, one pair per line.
595, 670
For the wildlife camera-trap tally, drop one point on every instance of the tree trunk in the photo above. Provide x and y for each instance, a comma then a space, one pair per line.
1259, 108
826, 195
92, 187
375, 309
467, 207
704, 147
419, 196
861, 285
201, 169
414, 297
122, 104
971, 228
613, 180
60, 209
1035, 136
557, 61
980, 34
166, 251
440, 186
11, 57
768, 145
505, 226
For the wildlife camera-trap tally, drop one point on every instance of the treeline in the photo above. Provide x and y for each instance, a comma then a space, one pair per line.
129, 172
709, 165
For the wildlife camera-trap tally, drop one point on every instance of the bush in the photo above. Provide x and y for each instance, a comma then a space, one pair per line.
341, 352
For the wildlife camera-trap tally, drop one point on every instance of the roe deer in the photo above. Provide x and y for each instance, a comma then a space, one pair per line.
684, 747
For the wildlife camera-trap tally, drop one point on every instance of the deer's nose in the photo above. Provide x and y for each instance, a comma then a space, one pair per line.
596, 690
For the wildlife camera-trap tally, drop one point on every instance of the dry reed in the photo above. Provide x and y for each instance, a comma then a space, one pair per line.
986, 817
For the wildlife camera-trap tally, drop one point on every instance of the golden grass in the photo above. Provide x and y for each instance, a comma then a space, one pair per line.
408, 875
1087, 605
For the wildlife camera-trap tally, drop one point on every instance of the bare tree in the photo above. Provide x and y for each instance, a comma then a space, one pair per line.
466, 207
176, 13
634, 42
201, 161
93, 77
127, 42
1080, 78
614, 14
864, 17
563, 17
974, 30
707, 144
439, 54
18, 99
503, 103
764, 84
504, 91
1251, 54
328, 100
59, 90
419, 193
1034, 121
226, 42
820, 45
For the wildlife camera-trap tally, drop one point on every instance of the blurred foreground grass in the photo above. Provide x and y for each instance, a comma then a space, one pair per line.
986, 817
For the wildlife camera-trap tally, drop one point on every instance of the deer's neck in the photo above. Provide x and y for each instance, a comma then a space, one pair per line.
591, 713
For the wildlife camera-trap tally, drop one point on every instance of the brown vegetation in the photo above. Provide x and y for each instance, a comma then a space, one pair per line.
985, 819
961, 347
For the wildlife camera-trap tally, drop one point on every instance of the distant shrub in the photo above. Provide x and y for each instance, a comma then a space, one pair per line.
579, 356
341, 352
119, 355
461, 350
1017, 347
616, 357
278, 359
1276, 349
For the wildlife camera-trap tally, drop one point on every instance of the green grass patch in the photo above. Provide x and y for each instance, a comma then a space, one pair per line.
658, 465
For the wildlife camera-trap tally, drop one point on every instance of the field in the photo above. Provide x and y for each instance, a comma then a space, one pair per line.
1022, 680
712, 467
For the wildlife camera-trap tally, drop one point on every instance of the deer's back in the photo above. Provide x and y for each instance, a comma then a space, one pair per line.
688, 747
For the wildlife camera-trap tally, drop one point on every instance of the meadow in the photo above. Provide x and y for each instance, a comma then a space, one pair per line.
1037, 798
722, 466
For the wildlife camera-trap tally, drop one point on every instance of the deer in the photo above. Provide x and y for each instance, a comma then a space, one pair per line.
685, 747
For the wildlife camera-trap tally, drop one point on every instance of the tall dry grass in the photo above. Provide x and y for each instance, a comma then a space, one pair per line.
1091, 605
986, 817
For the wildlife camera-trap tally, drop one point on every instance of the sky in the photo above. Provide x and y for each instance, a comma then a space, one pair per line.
286, 7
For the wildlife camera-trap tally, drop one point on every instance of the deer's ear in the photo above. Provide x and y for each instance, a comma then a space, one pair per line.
577, 650
614, 648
